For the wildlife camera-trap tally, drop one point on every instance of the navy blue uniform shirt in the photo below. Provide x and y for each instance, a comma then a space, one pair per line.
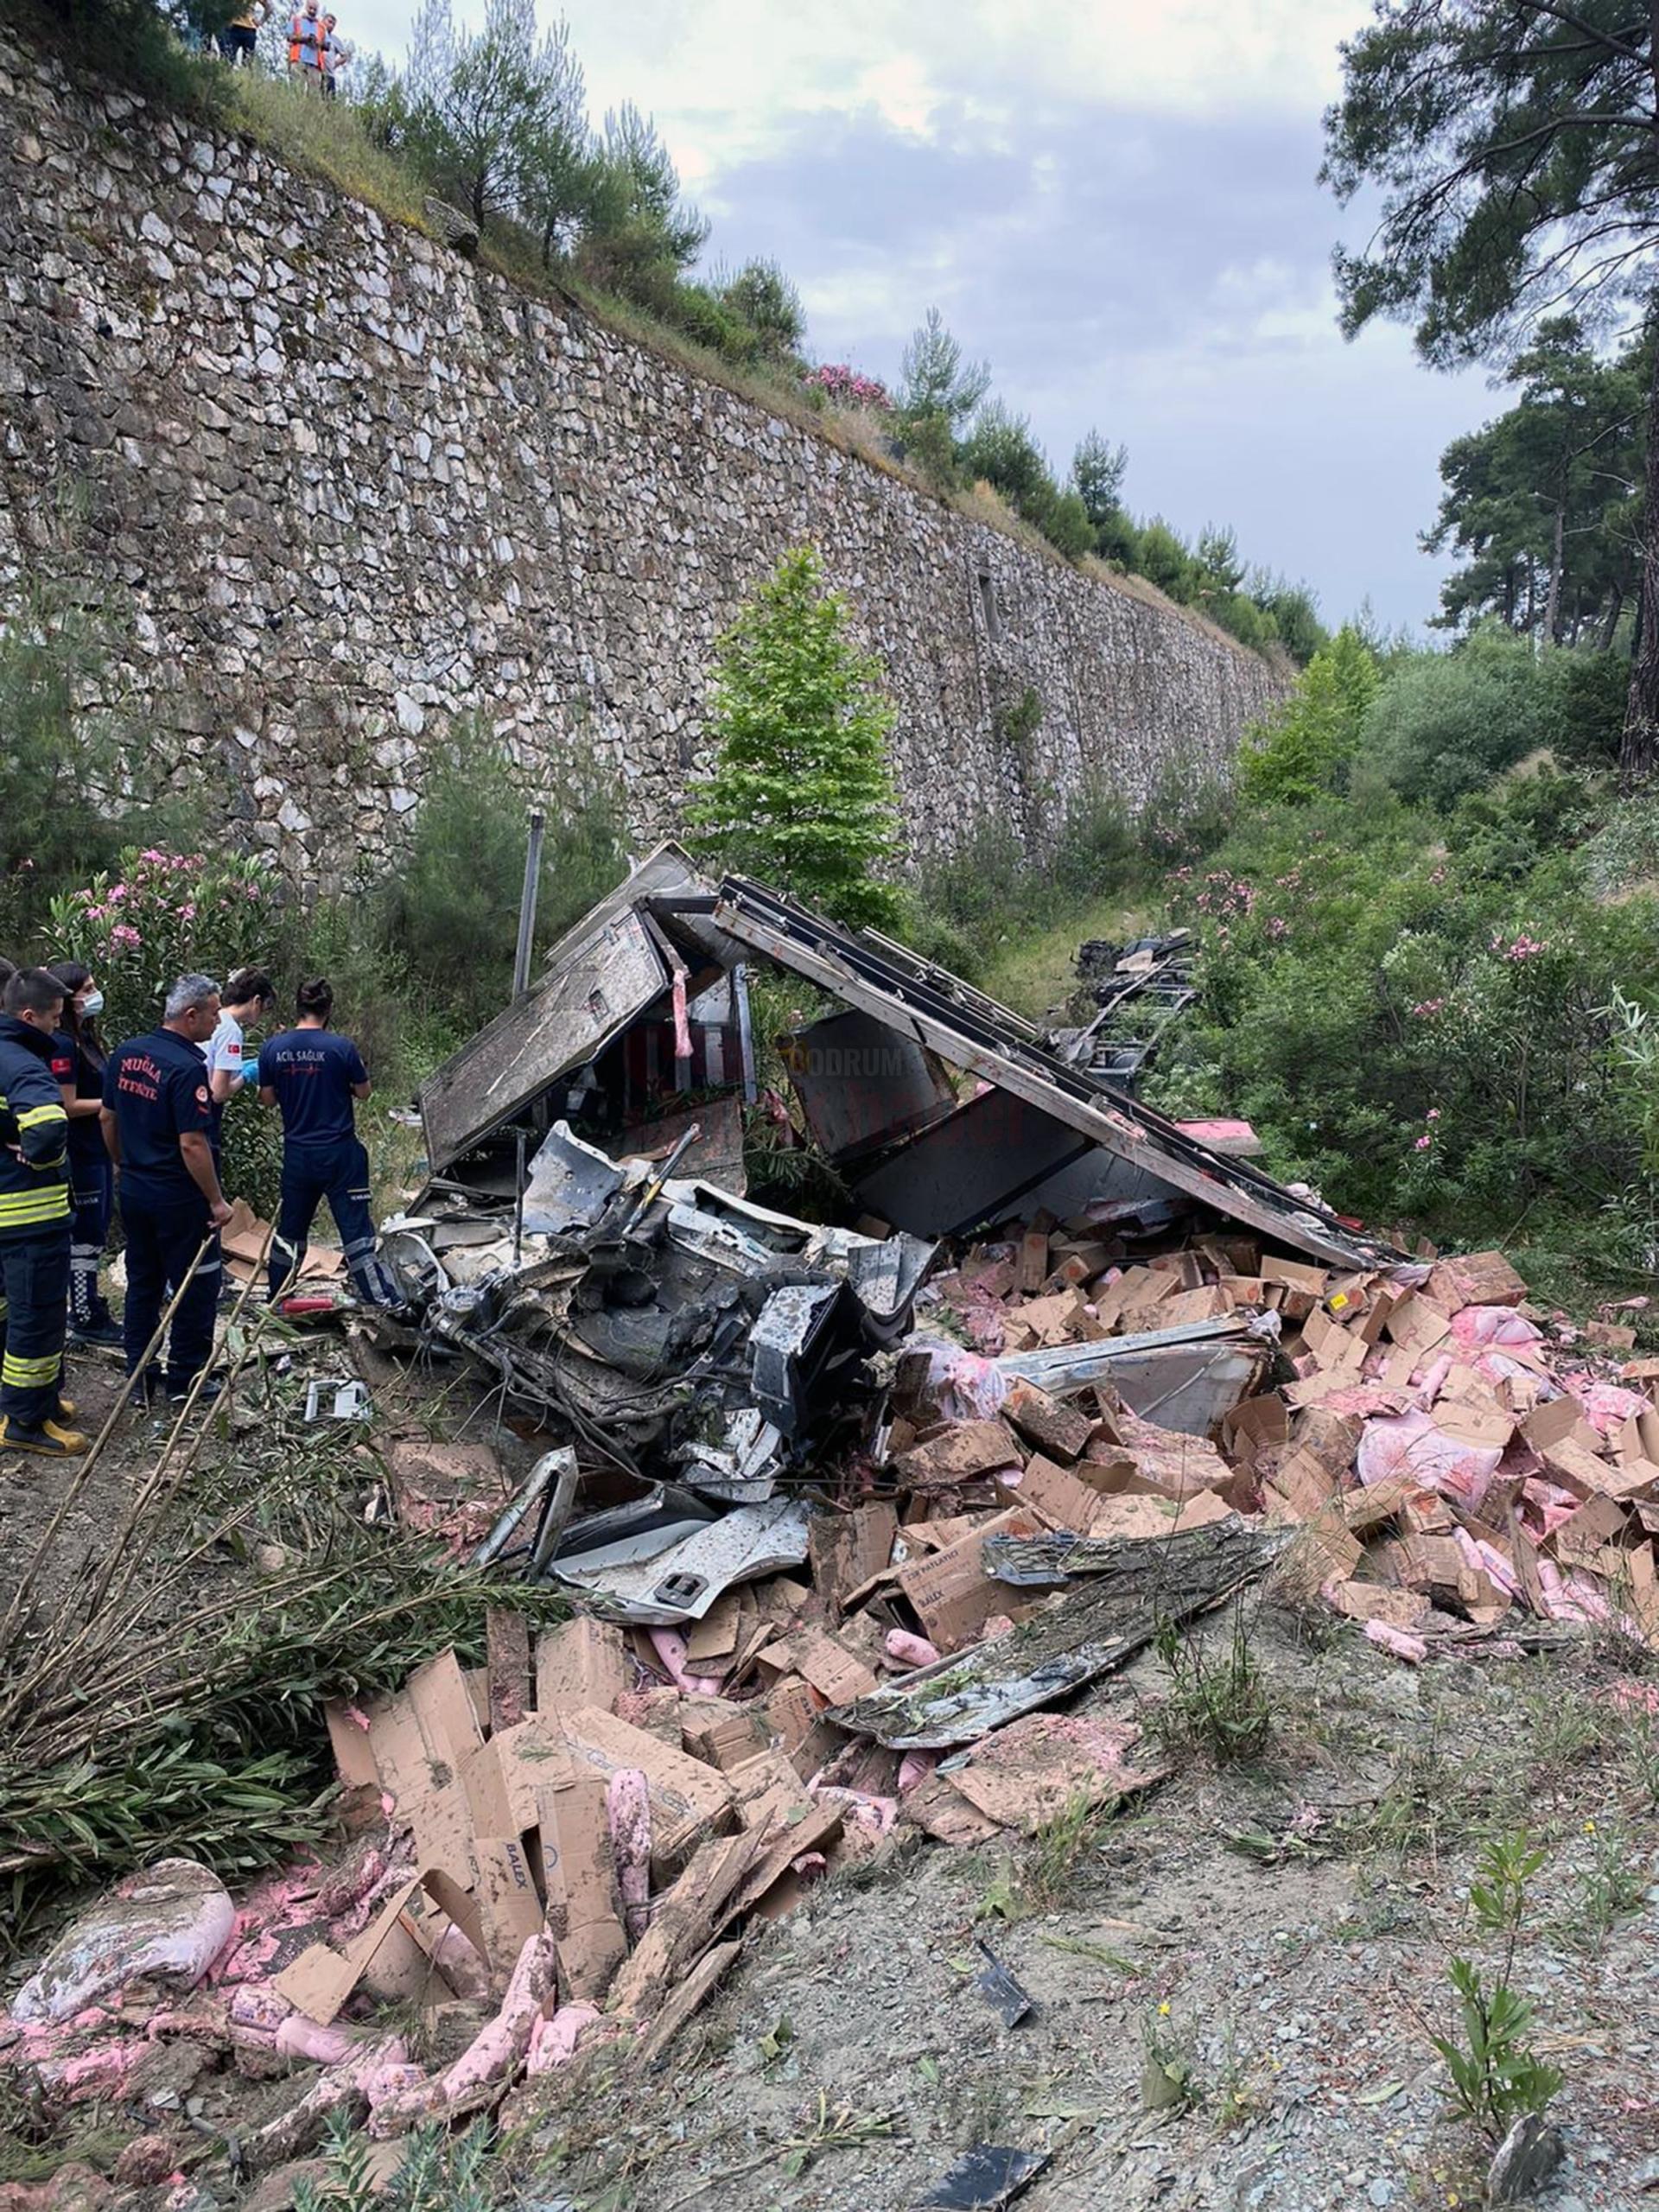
312, 1072
158, 1088
82, 1072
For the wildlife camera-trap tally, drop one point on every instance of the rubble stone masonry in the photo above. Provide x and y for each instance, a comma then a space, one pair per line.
330, 486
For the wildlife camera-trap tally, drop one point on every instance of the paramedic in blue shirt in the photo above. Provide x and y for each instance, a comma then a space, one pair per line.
158, 1124
314, 1076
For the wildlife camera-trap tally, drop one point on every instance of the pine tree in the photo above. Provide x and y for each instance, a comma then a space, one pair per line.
801, 794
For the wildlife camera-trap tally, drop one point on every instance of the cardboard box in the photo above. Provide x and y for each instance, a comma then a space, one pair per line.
1474, 1279
1060, 1430
1142, 1517
1294, 1274
961, 1454
1058, 1494
583, 1909
688, 1800
950, 1592
1417, 1324
581, 1662
823, 1662
846, 1549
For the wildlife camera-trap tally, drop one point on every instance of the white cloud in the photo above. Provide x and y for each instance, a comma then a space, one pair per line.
728, 80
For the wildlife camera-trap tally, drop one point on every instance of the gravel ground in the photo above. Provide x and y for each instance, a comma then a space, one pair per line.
1279, 1931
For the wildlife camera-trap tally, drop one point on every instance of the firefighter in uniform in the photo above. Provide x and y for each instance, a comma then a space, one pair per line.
34, 1216
314, 1076
158, 1124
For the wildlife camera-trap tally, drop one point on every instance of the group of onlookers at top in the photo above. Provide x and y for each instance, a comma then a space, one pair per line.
316, 52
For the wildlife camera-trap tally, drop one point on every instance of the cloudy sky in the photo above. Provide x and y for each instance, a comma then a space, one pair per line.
1114, 205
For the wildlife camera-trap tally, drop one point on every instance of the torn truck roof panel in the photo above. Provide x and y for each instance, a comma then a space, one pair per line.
608, 980
929, 1006
603, 974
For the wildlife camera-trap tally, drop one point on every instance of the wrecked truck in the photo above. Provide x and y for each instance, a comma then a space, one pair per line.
585, 1239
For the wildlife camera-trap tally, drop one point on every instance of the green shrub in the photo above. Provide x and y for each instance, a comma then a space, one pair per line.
1445, 723
1188, 813
1304, 749
1414, 1015
970, 902
762, 298
450, 911
72, 782
1095, 855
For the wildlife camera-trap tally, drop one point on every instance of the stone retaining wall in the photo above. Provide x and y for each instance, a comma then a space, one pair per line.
332, 486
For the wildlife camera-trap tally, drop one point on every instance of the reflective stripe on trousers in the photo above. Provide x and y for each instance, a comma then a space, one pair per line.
34, 1284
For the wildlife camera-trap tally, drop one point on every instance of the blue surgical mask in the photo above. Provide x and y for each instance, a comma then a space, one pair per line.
92, 1005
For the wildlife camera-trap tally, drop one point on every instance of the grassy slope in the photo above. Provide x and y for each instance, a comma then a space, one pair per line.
1037, 969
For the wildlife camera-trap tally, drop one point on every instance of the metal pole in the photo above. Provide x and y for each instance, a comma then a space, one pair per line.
745, 1030
527, 906
521, 960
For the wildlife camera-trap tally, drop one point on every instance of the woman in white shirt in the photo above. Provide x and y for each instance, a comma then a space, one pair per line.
249, 996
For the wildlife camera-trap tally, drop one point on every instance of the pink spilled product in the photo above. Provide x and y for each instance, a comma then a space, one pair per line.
261, 2019
1398, 1640
627, 1812
377, 2073
670, 1647
1606, 1406
961, 1385
167, 1924
907, 1650
1410, 1446
877, 1815
553, 2041
1476, 1327
491, 2059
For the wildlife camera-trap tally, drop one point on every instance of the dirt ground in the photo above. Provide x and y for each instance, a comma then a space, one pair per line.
1280, 1931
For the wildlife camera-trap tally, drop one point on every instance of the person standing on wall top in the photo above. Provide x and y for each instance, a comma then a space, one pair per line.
82, 1059
238, 41
158, 1123
314, 1076
336, 56
34, 1415
305, 37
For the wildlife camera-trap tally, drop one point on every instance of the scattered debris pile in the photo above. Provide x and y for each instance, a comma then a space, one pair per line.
562, 1850
1080, 1316
846, 1513
1139, 990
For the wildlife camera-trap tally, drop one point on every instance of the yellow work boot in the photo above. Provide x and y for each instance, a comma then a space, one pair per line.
49, 1440
66, 1412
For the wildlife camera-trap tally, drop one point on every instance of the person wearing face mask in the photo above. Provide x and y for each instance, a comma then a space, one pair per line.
34, 1223
158, 1121
80, 1061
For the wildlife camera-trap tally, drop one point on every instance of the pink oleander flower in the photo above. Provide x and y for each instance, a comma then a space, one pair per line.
125, 938
1425, 1009
1432, 1115
187, 912
1423, 1143
841, 381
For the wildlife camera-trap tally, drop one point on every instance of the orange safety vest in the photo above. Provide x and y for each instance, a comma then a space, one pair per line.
305, 31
